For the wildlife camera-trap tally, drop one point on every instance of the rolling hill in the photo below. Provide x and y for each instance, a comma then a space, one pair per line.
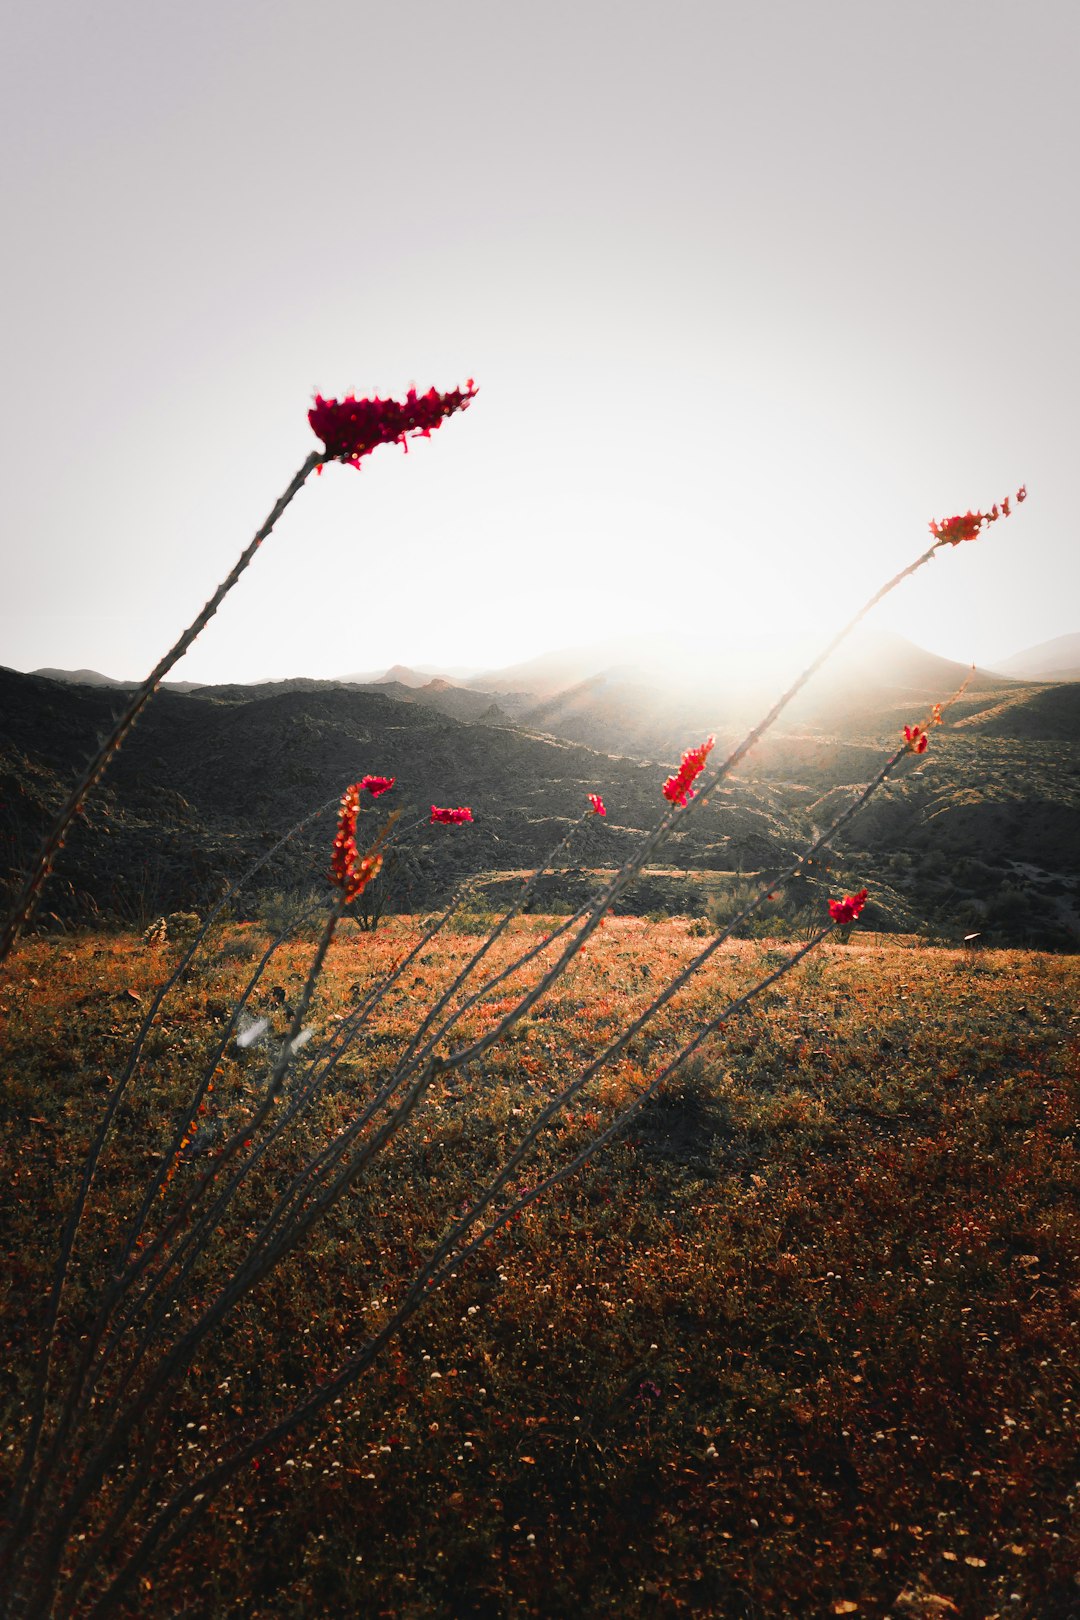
1056, 660
982, 833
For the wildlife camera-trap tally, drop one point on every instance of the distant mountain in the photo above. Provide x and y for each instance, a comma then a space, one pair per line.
684, 667
568, 666
878, 679
402, 675
410, 675
459, 702
651, 697
80, 677
236, 692
402, 683
91, 677
1056, 660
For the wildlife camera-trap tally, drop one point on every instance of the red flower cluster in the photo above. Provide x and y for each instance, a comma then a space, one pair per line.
952, 530
845, 911
351, 428
349, 873
377, 784
677, 788
451, 818
916, 739
599, 807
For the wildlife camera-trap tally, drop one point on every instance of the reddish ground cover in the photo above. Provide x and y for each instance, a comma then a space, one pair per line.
803, 1342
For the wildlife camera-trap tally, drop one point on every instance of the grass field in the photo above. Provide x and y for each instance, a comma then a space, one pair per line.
803, 1342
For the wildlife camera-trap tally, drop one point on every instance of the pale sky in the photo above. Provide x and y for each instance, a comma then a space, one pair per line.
752, 292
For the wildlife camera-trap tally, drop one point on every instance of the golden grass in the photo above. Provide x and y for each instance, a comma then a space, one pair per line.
805, 1338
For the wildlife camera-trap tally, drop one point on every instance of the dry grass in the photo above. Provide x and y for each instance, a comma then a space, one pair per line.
804, 1339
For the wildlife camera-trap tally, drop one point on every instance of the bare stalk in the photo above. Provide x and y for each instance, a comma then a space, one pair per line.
447, 1254
16, 1507
125, 1279
197, 1494
332, 1156
92, 1472
122, 1281
316, 1076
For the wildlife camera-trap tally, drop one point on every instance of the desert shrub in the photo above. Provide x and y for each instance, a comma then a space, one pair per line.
476, 920
775, 914
289, 910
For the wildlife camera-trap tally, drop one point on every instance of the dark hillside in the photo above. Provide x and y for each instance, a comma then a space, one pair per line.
205, 783
1050, 713
982, 834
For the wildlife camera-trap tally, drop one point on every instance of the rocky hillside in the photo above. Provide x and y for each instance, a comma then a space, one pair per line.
981, 835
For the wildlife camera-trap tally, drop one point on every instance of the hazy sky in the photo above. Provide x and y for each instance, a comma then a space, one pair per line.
752, 292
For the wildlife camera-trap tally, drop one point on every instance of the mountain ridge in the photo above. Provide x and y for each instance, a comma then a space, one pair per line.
980, 833
1057, 659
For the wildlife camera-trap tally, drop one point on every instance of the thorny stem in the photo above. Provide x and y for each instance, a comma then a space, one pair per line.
121, 1283
19, 1508
123, 1280
602, 902
99, 1462
507, 972
329, 1160
190, 1243
26, 904
711, 778
332, 1152
197, 1494
527, 888
674, 985
316, 1077
446, 1255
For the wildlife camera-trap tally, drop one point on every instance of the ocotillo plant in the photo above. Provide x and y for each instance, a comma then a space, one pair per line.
92, 1453
350, 430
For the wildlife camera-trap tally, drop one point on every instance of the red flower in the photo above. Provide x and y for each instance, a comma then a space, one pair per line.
351, 428
451, 818
951, 531
599, 807
349, 873
916, 739
677, 788
377, 784
845, 911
